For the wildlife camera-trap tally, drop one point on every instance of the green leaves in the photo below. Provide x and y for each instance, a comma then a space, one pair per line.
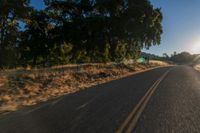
79, 30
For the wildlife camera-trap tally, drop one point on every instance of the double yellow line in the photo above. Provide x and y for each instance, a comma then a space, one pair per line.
129, 124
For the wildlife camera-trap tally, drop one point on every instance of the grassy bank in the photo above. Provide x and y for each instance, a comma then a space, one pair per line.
28, 87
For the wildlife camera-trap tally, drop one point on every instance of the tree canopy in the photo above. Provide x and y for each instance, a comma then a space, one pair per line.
74, 31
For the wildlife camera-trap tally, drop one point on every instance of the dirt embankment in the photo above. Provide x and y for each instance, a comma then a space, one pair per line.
20, 88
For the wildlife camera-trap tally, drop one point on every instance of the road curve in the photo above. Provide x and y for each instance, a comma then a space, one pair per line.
174, 106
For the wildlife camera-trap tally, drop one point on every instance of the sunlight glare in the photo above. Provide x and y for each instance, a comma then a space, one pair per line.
196, 48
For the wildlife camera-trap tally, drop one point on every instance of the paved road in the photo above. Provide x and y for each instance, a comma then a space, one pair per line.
174, 106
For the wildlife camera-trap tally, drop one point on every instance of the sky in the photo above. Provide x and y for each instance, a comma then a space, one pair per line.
38, 4
181, 25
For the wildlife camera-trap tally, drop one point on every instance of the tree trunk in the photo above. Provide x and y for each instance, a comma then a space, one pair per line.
113, 47
34, 61
2, 35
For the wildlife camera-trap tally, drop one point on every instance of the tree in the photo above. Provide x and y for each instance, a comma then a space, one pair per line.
166, 56
36, 39
182, 58
95, 25
10, 16
77, 31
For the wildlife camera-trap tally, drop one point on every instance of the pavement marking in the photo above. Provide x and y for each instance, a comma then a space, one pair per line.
42, 106
129, 124
82, 106
56, 101
35, 109
87, 103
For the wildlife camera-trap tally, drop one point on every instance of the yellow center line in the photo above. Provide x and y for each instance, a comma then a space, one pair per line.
133, 117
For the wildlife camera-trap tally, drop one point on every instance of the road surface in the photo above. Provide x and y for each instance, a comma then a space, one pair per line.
163, 100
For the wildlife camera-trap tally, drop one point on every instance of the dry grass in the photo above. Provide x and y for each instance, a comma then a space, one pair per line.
197, 67
28, 87
157, 62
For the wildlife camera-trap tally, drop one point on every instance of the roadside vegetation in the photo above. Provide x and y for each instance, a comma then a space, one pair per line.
183, 58
28, 87
76, 31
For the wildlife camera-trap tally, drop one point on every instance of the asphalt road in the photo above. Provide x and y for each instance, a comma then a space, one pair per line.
163, 100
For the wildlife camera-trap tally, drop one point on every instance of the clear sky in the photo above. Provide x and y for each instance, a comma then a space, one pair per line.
38, 4
181, 25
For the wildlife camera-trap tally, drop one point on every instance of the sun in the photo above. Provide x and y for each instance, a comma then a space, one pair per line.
196, 48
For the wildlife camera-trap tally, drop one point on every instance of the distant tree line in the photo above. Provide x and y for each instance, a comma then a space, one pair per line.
151, 56
183, 58
76, 31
